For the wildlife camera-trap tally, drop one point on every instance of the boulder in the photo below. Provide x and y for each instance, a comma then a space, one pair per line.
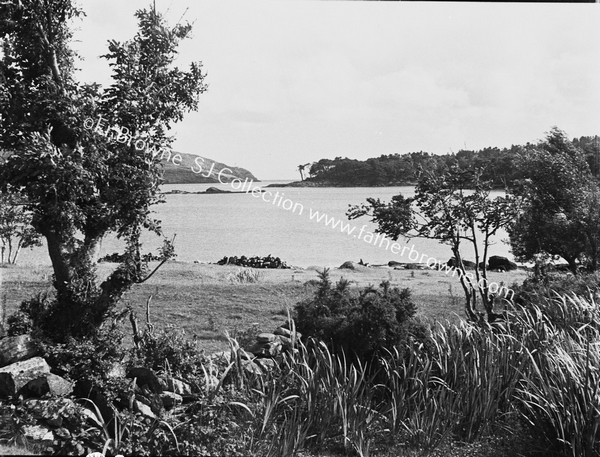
281, 331
15, 376
143, 409
252, 368
349, 265
265, 337
467, 263
285, 341
266, 364
175, 385
48, 383
145, 377
170, 399
500, 263
15, 349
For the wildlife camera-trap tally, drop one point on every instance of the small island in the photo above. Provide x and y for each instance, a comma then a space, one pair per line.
210, 190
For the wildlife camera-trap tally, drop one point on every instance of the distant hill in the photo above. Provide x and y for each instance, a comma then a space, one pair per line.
184, 172
189, 172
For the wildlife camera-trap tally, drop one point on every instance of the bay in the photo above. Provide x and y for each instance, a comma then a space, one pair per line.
209, 227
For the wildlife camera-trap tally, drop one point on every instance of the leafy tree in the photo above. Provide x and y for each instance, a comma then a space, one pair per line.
83, 183
454, 207
16, 231
560, 204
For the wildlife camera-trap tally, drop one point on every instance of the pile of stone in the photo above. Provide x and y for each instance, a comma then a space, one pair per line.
273, 344
49, 398
23, 373
254, 262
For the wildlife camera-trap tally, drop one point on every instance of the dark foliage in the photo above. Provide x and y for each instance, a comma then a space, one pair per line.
498, 165
362, 324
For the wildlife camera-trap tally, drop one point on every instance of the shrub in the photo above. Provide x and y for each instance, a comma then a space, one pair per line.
566, 301
534, 288
168, 349
29, 316
245, 276
363, 324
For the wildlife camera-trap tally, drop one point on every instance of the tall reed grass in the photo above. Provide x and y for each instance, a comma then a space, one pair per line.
540, 368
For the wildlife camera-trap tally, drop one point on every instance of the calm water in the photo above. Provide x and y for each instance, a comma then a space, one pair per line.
209, 227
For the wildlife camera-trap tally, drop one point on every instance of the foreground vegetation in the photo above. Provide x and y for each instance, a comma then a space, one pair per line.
525, 386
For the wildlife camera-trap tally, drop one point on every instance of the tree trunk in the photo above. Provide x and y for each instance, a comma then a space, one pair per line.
14, 259
470, 299
58, 257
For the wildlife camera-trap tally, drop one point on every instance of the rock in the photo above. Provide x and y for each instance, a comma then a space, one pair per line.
170, 399
252, 368
285, 341
467, 263
145, 377
143, 409
116, 370
265, 337
13, 377
497, 262
15, 349
283, 332
48, 383
266, 364
257, 349
287, 333
37, 433
348, 265
175, 385
415, 266
393, 263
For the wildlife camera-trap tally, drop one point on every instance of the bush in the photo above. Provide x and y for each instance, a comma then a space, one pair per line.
561, 283
362, 324
560, 296
29, 316
168, 349
245, 276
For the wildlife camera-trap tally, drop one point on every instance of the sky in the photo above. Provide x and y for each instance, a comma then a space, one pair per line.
291, 82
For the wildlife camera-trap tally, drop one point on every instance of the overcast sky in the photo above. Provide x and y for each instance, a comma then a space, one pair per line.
291, 82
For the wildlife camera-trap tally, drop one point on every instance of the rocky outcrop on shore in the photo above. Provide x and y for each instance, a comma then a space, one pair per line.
210, 191
254, 262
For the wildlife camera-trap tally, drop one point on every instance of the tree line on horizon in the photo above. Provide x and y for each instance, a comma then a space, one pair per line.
500, 166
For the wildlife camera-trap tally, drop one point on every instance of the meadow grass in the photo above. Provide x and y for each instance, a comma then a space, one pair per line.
204, 301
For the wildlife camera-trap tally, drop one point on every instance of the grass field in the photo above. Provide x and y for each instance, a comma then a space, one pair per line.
205, 301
